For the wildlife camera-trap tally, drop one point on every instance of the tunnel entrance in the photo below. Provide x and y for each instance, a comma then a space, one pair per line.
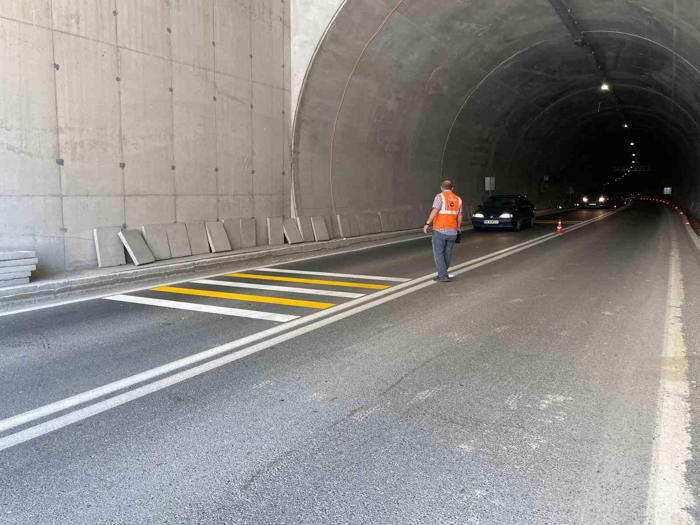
546, 96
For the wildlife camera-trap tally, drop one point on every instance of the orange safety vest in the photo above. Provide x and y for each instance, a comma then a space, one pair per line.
446, 217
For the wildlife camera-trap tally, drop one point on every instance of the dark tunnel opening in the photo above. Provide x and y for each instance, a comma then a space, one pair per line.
504, 89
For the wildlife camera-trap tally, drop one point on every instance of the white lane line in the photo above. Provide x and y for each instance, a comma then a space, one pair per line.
336, 312
327, 274
118, 400
290, 289
669, 498
221, 310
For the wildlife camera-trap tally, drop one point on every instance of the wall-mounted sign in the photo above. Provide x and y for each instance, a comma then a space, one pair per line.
667, 190
490, 183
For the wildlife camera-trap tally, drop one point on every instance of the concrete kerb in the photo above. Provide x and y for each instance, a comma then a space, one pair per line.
75, 288
691, 232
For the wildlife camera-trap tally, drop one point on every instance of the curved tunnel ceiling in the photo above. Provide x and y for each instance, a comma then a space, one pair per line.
404, 92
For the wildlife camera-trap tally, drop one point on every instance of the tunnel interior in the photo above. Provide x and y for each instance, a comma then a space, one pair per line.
401, 94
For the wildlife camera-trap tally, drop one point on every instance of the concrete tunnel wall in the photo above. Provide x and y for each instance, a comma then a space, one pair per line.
401, 93
155, 112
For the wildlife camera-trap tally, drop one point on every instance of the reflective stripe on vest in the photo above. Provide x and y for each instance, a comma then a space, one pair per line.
446, 217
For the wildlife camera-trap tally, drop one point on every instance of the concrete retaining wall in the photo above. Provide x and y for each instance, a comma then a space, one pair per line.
123, 112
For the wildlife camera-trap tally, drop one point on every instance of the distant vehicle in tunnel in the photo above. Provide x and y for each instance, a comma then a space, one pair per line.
595, 201
504, 211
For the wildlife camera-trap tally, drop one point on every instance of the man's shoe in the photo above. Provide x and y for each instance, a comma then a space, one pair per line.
444, 279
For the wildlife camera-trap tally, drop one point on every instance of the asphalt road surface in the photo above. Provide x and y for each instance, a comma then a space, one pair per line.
553, 381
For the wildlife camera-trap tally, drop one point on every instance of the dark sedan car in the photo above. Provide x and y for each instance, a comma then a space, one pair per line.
504, 211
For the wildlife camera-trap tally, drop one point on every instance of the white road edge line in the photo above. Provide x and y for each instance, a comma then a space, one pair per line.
669, 497
327, 274
209, 309
337, 313
288, 289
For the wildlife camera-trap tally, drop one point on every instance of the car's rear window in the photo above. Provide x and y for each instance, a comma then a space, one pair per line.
500, 202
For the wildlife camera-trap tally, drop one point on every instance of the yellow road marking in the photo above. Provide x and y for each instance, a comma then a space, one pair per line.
243, 297
308, 281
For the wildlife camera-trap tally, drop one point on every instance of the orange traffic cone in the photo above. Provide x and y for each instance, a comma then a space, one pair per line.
559, 229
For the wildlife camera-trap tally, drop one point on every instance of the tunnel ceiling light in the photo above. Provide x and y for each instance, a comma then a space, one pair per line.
634, 154
631, 143
605, 86
625, 126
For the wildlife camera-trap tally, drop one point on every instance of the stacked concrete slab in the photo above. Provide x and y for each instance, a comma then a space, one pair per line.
16, 267
354, 225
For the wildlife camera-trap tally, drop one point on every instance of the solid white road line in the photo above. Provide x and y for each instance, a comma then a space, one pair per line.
669, 498
337, 313
290, 289
221, 310
327, 274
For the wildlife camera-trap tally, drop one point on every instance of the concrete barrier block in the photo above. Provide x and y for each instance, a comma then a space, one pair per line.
367, 223
14, 282
197, 235
344, 225
177, 240
109, 248
248, 233
218, 240
275, 235
9, 256
34, 261
320, 229
291, 231
15, 269
136, 246
233, 231
306, 229
157, 240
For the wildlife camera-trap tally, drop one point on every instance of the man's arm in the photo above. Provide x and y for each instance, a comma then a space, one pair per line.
432, 215
459, 222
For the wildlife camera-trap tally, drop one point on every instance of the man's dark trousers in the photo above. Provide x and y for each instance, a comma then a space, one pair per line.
442, 251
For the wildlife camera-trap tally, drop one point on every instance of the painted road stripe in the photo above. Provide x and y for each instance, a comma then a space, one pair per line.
289, 331
243, 297
179, 305
669, 498
326, 274
308, 281
289, 289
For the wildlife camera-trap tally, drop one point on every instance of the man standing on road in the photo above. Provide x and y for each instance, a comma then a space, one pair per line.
446, 217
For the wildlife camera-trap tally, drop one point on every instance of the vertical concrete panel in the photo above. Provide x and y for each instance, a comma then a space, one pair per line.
149, 209
81, 215
192, 33
143, 26
30, 11
93, 19
195, 131
191, 208
232, 30
268, 47
268, 140
146, 129
88, 116
234, 136
28, 145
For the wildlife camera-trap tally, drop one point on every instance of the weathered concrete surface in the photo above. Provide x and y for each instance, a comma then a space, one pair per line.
108, 246
136, 247
165, 112
403, 93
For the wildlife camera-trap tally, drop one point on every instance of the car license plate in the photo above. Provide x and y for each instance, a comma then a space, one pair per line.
490, 221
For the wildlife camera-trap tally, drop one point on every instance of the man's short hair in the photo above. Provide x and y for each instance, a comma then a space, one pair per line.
447, 184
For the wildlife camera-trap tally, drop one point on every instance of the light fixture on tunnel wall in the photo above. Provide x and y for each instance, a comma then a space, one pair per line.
605, 86
634, 154
625, 126
631, 143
